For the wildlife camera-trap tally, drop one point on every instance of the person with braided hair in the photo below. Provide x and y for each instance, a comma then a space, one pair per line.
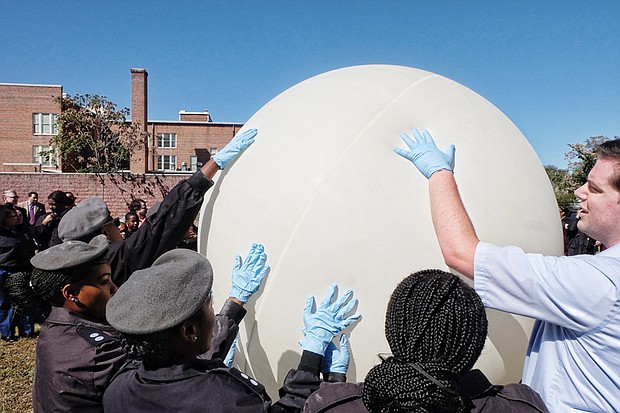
436, 327
16, 249
78, 352
572, 358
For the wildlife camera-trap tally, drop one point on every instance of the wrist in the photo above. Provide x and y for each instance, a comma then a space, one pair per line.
236, 301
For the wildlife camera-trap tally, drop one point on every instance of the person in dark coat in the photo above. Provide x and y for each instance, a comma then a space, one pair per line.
16, 249
77, 352
165, 333
436, 327
160, 232
46, 227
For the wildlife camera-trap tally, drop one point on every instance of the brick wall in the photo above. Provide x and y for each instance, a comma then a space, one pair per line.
117, 190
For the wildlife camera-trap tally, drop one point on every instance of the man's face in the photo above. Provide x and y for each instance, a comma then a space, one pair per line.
132, 223
33, 198
599, 214
11, 199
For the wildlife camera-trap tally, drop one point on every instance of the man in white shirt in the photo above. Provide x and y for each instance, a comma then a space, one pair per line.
573, 359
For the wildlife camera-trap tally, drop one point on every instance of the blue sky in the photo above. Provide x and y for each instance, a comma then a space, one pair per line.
551, 66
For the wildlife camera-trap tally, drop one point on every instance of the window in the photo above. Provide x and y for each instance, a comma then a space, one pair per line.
44, 124
193, 163
43, 159
166, 162
167, 140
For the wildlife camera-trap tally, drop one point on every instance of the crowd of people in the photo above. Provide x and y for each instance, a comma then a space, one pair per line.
127, 320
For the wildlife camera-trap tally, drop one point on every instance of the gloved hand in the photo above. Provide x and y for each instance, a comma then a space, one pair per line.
425, 155
322, 325
234, 147
248, 275
336, 360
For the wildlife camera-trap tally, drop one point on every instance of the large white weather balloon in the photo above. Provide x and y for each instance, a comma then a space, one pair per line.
322, 189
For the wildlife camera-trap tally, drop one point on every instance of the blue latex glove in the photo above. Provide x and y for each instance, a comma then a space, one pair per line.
248, 275
329, 319
234, 147
336, 360
230, 356
425, 155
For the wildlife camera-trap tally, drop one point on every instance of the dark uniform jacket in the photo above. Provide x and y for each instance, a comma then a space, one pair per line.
162, 231
76, 358
481, 395
205, 384
16, 249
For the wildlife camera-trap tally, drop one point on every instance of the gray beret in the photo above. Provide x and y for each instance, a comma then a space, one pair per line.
83, 220
70, 254
162, 296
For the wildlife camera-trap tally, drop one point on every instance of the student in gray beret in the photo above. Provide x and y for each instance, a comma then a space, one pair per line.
160, 232
166, 333
78, 352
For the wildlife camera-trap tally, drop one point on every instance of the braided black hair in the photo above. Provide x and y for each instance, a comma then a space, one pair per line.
34, 292
23, 298
155, 350
436, 327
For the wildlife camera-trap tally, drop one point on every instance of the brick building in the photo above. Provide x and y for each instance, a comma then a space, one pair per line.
27, 114
27, 122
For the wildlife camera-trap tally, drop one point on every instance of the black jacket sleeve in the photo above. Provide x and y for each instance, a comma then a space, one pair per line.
226, 329
162, 231
299, 384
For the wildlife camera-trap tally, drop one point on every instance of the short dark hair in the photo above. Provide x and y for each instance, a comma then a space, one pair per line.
136, 204
611, 149
131, 214
59, 197
70, 198
33, 193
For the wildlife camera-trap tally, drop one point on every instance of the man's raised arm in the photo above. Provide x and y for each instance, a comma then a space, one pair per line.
455, 231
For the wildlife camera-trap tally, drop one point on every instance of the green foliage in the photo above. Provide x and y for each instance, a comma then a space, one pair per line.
93, 135
581, 159
560, 180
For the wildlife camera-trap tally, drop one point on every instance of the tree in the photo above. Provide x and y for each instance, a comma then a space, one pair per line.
581, 159
93, 135
560, 180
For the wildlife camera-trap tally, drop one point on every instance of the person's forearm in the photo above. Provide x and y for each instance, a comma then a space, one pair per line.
209, 169
455, 231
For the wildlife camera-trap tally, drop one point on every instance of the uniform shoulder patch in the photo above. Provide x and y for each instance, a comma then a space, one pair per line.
248, 381
94, 336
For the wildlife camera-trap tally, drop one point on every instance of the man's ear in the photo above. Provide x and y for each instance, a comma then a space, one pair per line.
70, 291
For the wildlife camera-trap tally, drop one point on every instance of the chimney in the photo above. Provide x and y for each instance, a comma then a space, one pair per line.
139, 116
